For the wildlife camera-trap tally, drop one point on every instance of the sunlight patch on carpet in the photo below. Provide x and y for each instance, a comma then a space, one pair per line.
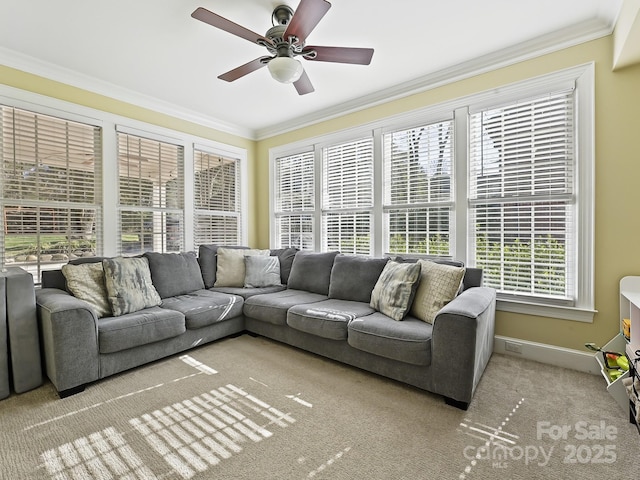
195, 434
189, 360
101, 455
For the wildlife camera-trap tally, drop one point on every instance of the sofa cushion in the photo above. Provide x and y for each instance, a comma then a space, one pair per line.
86, 282
439, 284
261, 271
248, 292
273, 307
204, 307
231, 268
208, 260
174, 273
327, 319
408, 341
286, 256
129, 286
311, 271
139, 328
395, 288
354, 277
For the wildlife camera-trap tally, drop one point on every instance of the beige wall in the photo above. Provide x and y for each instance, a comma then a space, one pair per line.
617, 169
617, 198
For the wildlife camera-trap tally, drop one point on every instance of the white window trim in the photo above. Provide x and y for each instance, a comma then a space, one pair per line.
110, 124
582, 76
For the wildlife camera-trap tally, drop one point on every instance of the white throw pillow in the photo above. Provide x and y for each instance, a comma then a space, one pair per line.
129, 286
231, 270
439, 284
86, 282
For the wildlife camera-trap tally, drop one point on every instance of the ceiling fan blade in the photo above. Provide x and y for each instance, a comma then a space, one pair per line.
303, 84
245, 69
359, 56
222, 23
305, 18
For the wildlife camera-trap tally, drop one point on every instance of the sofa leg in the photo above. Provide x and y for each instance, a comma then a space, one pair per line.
456, 403
71, 391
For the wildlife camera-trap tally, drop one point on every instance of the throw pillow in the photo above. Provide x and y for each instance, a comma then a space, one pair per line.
129, 287
174, 274
86, 281
261, 271
231, 269
354, 277
395, 289
207, 258
311, 271
439, 284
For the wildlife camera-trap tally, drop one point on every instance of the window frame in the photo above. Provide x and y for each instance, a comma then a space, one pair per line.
582, 78
109, 122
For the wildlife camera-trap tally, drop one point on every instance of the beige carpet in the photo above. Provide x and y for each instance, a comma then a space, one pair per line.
249, 408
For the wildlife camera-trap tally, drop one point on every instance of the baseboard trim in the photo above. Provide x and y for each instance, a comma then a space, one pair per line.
549, 354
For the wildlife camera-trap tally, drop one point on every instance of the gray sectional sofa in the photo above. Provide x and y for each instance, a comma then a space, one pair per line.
321, 304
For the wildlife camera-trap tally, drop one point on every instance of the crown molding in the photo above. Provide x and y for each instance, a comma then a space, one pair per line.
575, 35
555, 41
25, 63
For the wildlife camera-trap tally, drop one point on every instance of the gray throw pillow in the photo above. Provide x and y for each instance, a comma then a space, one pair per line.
174, 273
261, 271
395, 289
354, 277
129, 286
311, 271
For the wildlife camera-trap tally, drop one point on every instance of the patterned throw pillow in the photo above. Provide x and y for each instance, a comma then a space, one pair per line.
86, 282
231, 270
262, 271
394, 290
439, 284
129, 287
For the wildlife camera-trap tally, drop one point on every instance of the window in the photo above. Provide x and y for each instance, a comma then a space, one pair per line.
295, 200
418, 189
216, 199
502, 180
347, 197
151, 200
521, 172
51, 170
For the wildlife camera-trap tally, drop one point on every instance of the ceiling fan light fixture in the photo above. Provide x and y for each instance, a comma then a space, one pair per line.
285, 69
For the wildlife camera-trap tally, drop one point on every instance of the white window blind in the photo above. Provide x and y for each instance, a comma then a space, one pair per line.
522, 168
418, 189
294, 200
347, 197
51, 171
216, 199
151, 202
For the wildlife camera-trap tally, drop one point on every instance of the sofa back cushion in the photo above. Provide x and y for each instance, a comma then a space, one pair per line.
353, 277
286, 256
311, 271
174, 273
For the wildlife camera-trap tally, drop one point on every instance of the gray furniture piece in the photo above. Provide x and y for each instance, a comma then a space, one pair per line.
5, 389
322, 307
22, 329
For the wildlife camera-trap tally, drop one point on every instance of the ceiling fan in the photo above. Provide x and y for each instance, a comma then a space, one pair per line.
285, 41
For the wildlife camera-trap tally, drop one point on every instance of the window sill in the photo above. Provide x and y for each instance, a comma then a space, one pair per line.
552, 311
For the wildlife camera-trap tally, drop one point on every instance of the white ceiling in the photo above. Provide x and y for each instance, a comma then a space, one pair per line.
152, 53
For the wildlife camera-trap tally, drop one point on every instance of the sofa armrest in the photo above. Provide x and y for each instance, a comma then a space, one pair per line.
462, 342
69, 330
